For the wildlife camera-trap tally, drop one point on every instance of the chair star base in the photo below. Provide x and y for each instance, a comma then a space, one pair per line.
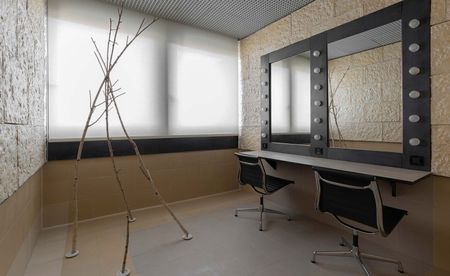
261, 209
354, 251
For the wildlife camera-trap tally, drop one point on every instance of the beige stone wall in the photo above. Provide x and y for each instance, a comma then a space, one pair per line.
179, 176
424, 233
321, 15
23, 84
367, 95
312, 19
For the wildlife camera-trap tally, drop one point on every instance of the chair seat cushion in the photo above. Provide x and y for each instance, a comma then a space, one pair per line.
274, 183
391, 217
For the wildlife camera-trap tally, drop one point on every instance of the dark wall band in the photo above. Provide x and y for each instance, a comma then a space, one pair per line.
93, 149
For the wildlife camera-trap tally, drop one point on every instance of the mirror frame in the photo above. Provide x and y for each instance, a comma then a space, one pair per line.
416, 157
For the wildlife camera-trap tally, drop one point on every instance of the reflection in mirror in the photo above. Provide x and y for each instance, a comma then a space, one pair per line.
365, 90
290, 100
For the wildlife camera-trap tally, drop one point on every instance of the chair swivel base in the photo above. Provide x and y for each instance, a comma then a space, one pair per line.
261, 209
353, 251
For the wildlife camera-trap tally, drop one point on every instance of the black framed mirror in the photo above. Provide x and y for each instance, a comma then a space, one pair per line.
369, 91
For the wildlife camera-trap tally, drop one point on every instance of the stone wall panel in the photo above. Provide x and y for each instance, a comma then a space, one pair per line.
22, 91
382, 112
31, 150
440, 99
392, 132
9, 180
440, 45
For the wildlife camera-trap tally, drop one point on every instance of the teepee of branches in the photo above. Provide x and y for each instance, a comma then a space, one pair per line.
110, 92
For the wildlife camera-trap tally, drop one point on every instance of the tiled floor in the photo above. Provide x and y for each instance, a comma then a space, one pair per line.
222, 245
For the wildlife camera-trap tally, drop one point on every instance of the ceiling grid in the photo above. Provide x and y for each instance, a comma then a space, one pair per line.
235, 18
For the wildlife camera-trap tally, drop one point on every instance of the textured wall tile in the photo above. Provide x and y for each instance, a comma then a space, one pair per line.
31, 150
251, 45
251, 116
441, 135
275, 36
339, 64
440, 160
346, 17
367, 57
368, 93
386, 71
343, 6
245, 66
392, 91
392, 132
311, 15
382, 112
250, 138
22, 91
9, 180
392, 51
440, 48
447, 7
440, 99
361, 131
350, 78
371, 6
251, 90
350, 113
438, 11
441, 150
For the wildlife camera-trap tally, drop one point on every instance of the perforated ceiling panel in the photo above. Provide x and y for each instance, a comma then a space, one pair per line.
374, 38
236, 18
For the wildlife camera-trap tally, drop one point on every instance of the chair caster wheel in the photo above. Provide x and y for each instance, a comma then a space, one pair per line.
313, 261
401, 271
342, 244
260, 230
289, 219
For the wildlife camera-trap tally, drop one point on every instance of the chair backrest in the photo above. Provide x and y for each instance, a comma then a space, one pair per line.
350, 196
251, 172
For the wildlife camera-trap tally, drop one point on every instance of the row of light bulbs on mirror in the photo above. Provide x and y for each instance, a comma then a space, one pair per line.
413, 71
414, 94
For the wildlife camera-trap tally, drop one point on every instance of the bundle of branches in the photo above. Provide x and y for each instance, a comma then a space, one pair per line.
110, 92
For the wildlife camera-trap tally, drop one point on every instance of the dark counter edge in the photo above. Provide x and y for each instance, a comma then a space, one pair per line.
99, 148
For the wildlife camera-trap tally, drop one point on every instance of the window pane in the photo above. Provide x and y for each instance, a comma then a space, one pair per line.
165, 93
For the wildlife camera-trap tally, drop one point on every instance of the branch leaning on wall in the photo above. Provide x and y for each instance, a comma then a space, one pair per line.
334, 110
110, 93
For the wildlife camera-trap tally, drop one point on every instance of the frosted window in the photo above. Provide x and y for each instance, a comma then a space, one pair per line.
178, 80
290, 99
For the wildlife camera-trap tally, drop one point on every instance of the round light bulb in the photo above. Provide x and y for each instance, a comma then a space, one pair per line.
264, 83
317, 87
317, 103
264, 70
263, 135
264, 122
414, 47
414, 118
317, 120
316, 53
317, 137
414, 142
414, 94
316, 70
414, 70
414, 23
264, 109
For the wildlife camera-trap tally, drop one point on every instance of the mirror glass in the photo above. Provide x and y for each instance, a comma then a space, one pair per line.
365, 90
290, 100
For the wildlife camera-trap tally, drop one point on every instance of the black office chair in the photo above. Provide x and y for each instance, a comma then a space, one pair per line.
355, 198
252, 172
